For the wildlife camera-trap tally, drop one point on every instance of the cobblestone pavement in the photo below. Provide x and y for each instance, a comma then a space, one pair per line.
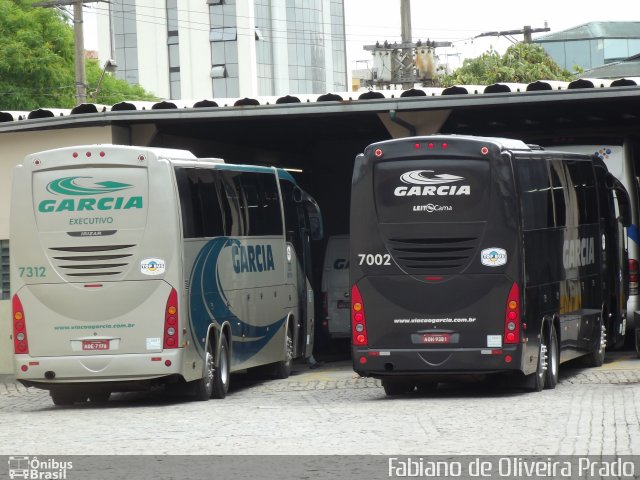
332, 411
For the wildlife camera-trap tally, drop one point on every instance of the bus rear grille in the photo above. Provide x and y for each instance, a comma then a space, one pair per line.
92, 261
445, 255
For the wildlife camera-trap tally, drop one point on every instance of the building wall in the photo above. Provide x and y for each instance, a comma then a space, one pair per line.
14, 146
194, 49
591, 53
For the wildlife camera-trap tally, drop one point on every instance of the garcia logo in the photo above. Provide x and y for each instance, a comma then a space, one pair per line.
493, 257
430, 185
70, 186
252, 258
579, 252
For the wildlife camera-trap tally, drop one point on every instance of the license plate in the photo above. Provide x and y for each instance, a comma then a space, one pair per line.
95, 345
432, 338
344, 304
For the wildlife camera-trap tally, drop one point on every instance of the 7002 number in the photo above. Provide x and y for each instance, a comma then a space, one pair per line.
377, 259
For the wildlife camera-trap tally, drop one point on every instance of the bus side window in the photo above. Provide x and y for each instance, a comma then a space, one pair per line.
558, 182
536, 200
210, 208
235, 222
189, 204
260, 193
581, 177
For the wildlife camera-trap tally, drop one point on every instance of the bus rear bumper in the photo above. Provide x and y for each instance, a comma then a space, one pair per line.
428, 362
49, 372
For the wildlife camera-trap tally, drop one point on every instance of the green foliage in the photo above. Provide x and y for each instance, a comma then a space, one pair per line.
36, 57
521, 63
37, 66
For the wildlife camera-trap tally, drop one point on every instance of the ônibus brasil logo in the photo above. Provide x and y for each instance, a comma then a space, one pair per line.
423, 184
71, 186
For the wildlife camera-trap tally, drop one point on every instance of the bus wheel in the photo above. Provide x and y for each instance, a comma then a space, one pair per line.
282, 369
99, 397
204, 386
63, 398
392, 388
553, 362
427, 387
222, 374
535, 381
596, 357
637, 337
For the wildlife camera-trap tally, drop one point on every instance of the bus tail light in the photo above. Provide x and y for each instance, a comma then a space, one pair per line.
512, 316
20, 342
633, 277
358, 319
171, 321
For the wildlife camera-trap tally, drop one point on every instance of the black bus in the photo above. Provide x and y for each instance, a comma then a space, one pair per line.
475, 255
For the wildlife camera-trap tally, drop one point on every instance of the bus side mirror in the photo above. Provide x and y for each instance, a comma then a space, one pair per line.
622, 199
297, 194
625, 213
315, 219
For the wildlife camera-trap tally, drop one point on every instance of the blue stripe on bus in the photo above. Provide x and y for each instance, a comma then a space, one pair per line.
208, 303
633, 233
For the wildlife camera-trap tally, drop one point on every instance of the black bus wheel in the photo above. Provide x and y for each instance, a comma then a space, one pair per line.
596, 356
392, 388
553, 361
63, 398
222, 373
535, 381
282, 369
204, 386
99, 397
637, 337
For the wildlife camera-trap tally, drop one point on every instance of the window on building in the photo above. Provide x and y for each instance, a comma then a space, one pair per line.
4, 270
219, 71
223, 34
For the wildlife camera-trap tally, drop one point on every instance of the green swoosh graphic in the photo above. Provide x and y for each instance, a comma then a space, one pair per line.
68, 186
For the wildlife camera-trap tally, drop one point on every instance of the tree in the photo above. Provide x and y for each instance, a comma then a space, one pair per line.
521, 63
36, 57
37, 66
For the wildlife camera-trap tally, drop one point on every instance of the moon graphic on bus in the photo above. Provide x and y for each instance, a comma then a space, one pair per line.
421, 177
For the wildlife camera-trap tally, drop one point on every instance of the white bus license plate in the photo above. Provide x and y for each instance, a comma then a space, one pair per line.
432, 338
95, 345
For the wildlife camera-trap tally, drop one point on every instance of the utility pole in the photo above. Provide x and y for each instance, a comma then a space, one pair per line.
526, 31
78, 36
405, 63
407, 52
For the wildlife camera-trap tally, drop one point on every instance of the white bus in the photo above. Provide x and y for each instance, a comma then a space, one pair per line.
619, 159
132, 266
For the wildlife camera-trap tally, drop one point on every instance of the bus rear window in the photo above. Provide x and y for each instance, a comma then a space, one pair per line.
432, 190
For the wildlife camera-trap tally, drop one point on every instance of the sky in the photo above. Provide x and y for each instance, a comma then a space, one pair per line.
367, 21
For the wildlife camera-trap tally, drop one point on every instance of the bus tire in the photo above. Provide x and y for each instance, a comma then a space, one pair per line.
222, 373
64, 398
282, 369
553, 360
393, 388
596, 356
204, 386
99, 397
637, 341
535, 381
